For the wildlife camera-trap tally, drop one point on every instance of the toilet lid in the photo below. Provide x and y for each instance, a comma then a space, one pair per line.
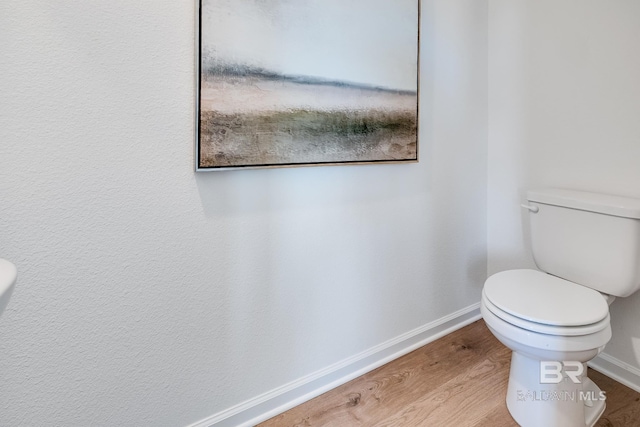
542, 298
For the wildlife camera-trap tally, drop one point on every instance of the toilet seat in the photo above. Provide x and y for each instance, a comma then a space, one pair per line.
546, 304
543, 346
567, 331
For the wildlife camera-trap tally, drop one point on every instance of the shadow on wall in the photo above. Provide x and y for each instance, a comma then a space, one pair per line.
244, 191
628, 350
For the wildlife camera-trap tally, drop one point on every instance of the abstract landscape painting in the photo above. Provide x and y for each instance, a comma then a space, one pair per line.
307, 82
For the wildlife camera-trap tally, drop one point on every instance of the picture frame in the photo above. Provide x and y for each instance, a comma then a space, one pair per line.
283, 83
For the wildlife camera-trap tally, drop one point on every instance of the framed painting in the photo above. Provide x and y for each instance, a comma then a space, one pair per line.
306, 82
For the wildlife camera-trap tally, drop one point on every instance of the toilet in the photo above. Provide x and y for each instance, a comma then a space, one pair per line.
555, 319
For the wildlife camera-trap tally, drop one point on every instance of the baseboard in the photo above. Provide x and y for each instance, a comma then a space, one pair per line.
276, 401
617, 370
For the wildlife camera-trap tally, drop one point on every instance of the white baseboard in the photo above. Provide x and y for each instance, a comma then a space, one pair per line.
617, 370
276, 401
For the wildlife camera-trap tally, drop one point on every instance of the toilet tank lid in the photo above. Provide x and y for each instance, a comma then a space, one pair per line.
607, 204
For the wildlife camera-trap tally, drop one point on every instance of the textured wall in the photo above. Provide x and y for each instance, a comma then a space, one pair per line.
564, 102
149, 295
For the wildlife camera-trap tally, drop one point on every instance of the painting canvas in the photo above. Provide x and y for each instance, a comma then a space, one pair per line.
306, 82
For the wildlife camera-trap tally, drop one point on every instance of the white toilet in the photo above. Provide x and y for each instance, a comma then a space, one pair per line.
555, 320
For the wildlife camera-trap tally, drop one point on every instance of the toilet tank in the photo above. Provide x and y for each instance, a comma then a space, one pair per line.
587, 238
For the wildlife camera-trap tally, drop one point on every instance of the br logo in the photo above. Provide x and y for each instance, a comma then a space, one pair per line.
552, 372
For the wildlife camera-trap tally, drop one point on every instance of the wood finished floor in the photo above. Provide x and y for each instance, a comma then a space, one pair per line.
459, 380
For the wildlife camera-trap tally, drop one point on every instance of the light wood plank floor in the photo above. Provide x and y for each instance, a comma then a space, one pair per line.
459, 380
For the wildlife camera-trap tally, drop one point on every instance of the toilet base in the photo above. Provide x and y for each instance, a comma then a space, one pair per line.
566, 404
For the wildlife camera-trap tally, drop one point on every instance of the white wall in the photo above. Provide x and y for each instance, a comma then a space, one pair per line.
564, 109
149, 295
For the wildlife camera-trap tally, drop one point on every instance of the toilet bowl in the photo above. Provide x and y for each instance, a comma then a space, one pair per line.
587, 249
545, 319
